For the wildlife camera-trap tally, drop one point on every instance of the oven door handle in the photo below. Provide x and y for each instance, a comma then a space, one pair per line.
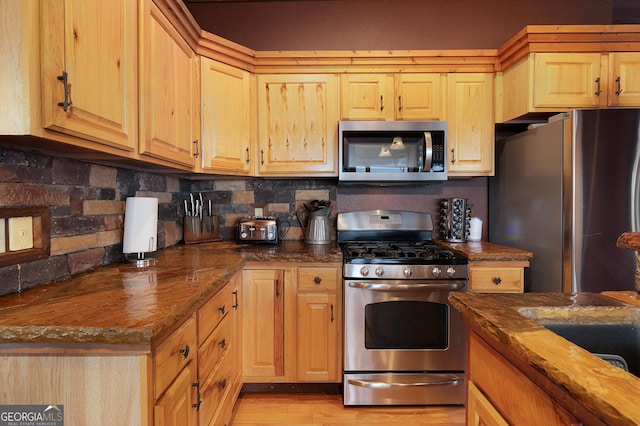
441, 380
452, 286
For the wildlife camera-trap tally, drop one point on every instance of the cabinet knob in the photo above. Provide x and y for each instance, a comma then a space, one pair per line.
185, 351
223, 343
317, 280
223, 383
222, 309
496, 280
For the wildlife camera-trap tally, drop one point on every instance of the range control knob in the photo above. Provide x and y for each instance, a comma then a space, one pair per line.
451, 271
364, 271
407, 272
436, 272
379, 271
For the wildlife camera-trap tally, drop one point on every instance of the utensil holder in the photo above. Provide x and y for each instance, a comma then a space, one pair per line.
454, 219
200, 230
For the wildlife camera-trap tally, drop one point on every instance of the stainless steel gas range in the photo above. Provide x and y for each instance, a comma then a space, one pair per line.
404, 344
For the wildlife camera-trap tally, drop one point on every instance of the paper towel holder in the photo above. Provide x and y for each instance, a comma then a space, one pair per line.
141, 229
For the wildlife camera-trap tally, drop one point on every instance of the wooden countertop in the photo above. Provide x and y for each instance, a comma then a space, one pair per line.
486, 251
606, 391
120, 304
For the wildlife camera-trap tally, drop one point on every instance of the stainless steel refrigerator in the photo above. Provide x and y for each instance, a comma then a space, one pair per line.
565, 191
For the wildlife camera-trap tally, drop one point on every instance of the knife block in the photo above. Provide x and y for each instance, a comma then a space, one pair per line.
197, 230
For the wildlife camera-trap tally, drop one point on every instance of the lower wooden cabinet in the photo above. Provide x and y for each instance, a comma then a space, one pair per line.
497, 277
191, 378
499, 393
292, 323
479, 409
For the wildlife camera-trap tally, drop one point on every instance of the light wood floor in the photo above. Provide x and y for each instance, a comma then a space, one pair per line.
323, 409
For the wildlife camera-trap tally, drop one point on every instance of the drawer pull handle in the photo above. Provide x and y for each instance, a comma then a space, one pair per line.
235, 296
223, 383
598, 90
317, 280
223, 343
496, 280
197, 404
332, 317
222, 309
185, 351
67, 93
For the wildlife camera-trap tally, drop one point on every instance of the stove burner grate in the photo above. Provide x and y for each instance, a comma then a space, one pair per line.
404, 250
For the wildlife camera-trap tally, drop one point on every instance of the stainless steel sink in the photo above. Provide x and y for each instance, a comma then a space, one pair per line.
609, 332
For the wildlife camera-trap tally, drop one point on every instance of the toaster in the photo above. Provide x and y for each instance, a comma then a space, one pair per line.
258, 230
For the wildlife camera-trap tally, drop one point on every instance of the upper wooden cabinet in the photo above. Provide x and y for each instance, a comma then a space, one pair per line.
624, 79
297, 125
471, 124
393, 97
557, 82
226, 119
169, 92
89, 79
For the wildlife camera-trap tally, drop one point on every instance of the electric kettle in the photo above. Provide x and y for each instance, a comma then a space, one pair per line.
317, 226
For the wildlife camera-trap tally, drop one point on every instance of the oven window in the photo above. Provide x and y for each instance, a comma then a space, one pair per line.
406, 325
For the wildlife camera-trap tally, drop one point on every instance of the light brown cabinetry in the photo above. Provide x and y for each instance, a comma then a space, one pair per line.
419, 96
471, 124
226, 119
192, 377
169, 92
318, 312
557, 82
89, 80
219, 344
297, 125
292, 323
499, 392
263, 324
497, 277
64, 80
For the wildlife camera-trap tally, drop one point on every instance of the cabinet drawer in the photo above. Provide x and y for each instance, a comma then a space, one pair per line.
173, 354
496, 280
214, 347
213, 388
318, 279
210, 315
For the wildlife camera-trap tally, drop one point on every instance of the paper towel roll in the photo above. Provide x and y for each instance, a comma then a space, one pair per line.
140, 225
475, 229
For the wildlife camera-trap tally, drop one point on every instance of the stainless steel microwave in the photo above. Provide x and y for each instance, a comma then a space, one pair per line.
392, 151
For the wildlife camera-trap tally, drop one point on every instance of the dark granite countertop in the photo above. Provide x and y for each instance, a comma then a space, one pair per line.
606, 391
120, 304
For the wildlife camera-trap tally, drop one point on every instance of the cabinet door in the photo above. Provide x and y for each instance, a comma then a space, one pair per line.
496, 279
170, 87
569, 80
420, 96
226, 122
367, 97
298, 125
176, 405
470, 120
100, 71
317, 337
624, 79
263, 323
480, 412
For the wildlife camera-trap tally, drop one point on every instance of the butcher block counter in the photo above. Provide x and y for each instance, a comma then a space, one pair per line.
520, 371
122, 304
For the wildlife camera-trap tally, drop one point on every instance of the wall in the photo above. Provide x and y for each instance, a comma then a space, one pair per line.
390, 24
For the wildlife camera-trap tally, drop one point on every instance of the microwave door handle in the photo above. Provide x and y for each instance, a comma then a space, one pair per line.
428, 151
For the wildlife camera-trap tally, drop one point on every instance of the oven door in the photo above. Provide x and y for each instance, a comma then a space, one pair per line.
403, 326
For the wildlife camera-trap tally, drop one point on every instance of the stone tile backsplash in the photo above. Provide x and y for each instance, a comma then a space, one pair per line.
86, 203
